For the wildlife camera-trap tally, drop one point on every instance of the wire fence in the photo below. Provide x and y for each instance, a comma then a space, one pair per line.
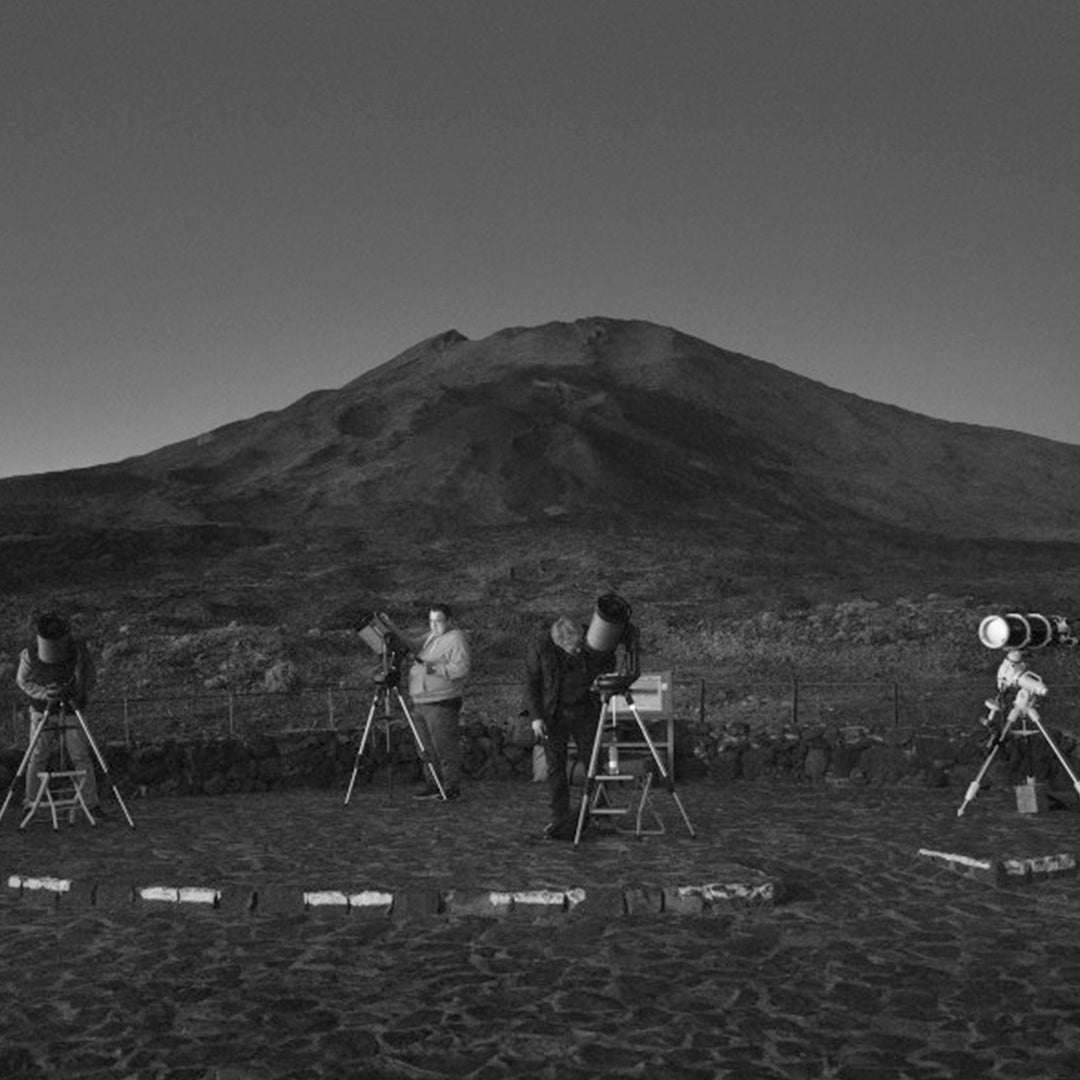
794, 704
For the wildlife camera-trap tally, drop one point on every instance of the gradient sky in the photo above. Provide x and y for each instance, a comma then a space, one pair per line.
213, 207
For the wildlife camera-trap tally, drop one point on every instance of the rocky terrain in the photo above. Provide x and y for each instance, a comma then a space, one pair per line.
762, 525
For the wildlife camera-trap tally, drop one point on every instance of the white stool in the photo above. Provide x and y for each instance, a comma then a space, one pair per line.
70, 800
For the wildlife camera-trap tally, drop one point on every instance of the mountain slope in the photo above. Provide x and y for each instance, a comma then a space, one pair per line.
598, 417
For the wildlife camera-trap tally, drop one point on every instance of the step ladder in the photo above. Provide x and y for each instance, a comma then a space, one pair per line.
67, 795
618, 795
603, 787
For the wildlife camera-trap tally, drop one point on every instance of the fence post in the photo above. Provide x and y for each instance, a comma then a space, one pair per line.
795, 699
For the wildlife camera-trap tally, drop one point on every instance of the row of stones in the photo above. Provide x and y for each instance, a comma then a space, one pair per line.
1005, 870
325, 759
57, 892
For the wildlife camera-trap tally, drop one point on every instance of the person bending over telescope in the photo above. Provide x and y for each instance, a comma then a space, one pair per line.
56, 673
562, 667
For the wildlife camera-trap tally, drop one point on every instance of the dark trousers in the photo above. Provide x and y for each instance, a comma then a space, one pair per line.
437, 725
582, 726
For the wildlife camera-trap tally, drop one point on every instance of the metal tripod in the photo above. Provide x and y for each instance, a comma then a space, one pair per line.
596, 783
385, 682
35, 736
1022, 710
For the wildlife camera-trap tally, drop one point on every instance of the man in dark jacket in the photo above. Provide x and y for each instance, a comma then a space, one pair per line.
560, 670
56, 673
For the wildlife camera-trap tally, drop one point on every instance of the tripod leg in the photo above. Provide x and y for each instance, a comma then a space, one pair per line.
973, 787
1053, 746
422, 753
104, 767
669, 781
35, 802
360, 748
35, 736
389, 759
590, 776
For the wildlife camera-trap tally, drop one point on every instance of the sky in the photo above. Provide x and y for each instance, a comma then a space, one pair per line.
211, 208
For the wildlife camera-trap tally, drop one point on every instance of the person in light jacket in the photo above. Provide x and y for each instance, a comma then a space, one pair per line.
436, 679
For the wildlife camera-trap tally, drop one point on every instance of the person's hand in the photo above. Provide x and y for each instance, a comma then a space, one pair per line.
539, 729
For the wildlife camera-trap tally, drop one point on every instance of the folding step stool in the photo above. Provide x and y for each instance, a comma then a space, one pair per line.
596, 798
69, 797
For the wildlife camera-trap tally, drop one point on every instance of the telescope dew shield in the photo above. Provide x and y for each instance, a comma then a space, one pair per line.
608, 623
1005, 631
1041, 631
375, 632
52, 638
52, 650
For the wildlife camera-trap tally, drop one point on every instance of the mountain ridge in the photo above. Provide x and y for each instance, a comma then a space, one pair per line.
522, 475
596, 417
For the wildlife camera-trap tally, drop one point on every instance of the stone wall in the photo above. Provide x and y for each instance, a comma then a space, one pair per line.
325, 759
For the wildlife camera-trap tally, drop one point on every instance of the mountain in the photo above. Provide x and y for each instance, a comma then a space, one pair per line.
527, 473
589, 420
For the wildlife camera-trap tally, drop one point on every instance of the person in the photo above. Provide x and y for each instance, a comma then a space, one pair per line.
56, 673
560, 671
436, 678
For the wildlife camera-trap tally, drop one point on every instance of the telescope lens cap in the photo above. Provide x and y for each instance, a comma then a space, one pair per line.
994, 632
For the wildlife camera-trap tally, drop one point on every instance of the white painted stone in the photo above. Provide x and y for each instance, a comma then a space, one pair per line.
371, 898
1043, 864
326, 898
51, 884
197, 894
963, 860
167, 893
540, 897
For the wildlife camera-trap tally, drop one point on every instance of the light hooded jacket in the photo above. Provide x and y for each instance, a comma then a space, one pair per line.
448, 655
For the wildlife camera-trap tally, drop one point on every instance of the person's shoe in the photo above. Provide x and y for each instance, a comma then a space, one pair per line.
558, 830
429, 792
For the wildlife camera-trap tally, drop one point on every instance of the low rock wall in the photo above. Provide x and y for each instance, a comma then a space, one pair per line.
325, 759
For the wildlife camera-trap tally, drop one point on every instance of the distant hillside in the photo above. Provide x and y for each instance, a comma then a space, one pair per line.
598, 417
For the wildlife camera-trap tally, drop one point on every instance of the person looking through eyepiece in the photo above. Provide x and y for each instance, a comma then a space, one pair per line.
56, 673
560, 670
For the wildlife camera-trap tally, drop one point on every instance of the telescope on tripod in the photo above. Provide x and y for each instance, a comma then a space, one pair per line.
61, 715
1018, 633
383, 638
611, 631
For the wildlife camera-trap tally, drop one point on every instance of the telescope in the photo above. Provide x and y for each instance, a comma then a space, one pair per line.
1032, 631
379, 634
1017, 633
609, 628
384, 639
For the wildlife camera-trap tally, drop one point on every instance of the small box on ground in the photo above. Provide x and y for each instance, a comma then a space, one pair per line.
1031, 798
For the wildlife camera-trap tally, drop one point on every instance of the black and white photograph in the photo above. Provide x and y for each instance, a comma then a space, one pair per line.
539, 539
